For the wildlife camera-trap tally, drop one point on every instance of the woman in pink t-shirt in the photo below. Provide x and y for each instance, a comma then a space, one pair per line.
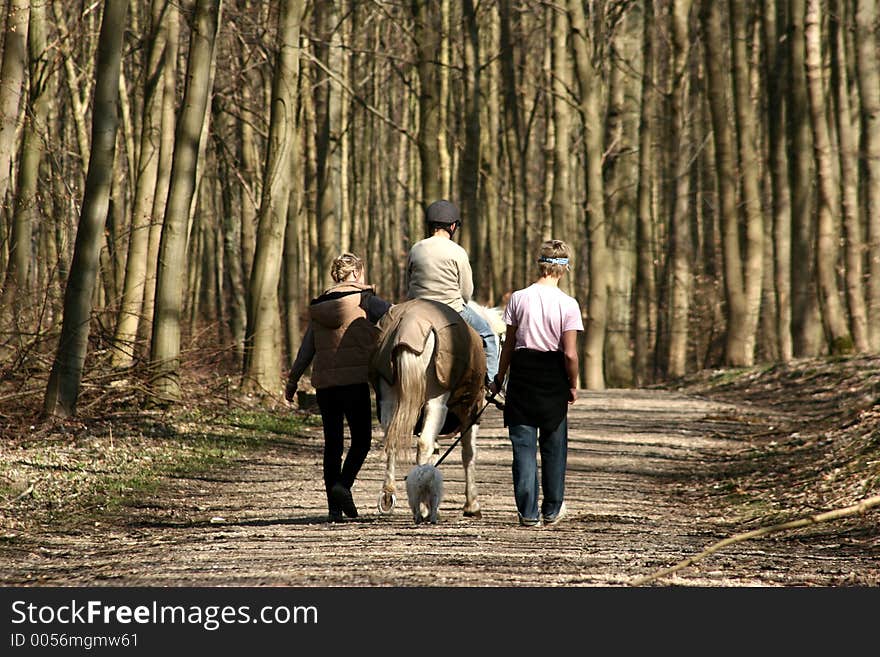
540, 350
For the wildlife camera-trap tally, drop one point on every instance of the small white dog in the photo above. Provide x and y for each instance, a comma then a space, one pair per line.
424, 488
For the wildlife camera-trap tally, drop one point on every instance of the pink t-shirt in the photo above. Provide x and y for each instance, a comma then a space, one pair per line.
541, 314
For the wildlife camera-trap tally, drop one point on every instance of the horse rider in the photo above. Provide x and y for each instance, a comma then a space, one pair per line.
438, 268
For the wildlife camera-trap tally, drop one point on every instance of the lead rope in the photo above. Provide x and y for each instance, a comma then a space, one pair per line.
491, 399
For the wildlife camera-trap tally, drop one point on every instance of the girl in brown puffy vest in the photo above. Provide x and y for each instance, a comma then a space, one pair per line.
338, 344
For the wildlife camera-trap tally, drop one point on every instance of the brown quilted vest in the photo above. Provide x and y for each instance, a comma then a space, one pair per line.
344, 338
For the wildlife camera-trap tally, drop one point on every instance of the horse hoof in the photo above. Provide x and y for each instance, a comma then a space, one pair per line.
473, 514
386, 503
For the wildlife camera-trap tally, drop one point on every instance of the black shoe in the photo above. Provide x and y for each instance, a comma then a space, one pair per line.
335, 516
342, 496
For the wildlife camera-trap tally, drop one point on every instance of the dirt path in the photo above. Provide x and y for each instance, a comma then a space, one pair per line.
633, 457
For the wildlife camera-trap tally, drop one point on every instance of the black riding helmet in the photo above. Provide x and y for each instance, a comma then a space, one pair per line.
442, 213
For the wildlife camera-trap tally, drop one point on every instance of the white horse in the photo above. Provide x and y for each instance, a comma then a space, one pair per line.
416, 390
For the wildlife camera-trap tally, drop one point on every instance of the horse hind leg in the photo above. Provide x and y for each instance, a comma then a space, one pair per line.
387, 497
432, 423
469, 461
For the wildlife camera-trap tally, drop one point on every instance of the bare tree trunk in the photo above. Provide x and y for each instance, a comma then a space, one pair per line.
20, 272
262, 339
806, 324
513, 140
490, 117
171, 269
717, 87
11, 78
749, 167
591, 104
75, 86
427, 37
145, 189
854, 246
163, 173
470, 161
775, 76
827, 237
645, 334
869, 91
563, 215
621, 191
63, 387
681, 255
329, 144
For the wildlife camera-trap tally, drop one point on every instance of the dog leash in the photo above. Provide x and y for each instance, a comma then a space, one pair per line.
491, 399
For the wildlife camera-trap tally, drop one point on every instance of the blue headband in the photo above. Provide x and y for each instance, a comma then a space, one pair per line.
553, 261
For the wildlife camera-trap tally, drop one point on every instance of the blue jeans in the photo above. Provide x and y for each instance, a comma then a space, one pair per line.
554, 456
490, 340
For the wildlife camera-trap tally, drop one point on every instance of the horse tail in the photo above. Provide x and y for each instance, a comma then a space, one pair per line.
410, 391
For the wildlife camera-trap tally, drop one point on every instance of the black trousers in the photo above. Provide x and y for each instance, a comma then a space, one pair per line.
341, 404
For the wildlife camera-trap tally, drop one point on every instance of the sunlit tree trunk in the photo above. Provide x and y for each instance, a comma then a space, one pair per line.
749, 167
20, 271
427, 38
827, 236
681, 253
854, 246
329, 143
145, 189
591, 104
262, 338
562, 210
11, 79
470, 160
775, 75
513, 140
621, 171
63, 387
868, 73
171, 269
645, 333
806, 324
490, 117
738, 320
163, 173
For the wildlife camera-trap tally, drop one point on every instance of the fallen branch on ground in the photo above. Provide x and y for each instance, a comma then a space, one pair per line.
835, 514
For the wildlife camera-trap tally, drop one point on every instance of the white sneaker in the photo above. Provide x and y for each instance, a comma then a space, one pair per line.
552, 520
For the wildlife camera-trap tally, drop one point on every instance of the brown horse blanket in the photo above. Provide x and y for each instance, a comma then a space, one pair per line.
459, 357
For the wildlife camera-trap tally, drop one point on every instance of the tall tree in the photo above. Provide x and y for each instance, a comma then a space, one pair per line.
144, 191
644, 333
262, 338
868, 74
163, 172
20, 276
738, 280
11, 78
329, 138
562, 210
427, 35
621, 172
171, 269
750, 169
591, 102
827, 236
681, 253
63, 387
854, 246
775, 75
806, 324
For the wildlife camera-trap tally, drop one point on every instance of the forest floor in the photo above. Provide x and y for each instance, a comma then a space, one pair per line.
217, 491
